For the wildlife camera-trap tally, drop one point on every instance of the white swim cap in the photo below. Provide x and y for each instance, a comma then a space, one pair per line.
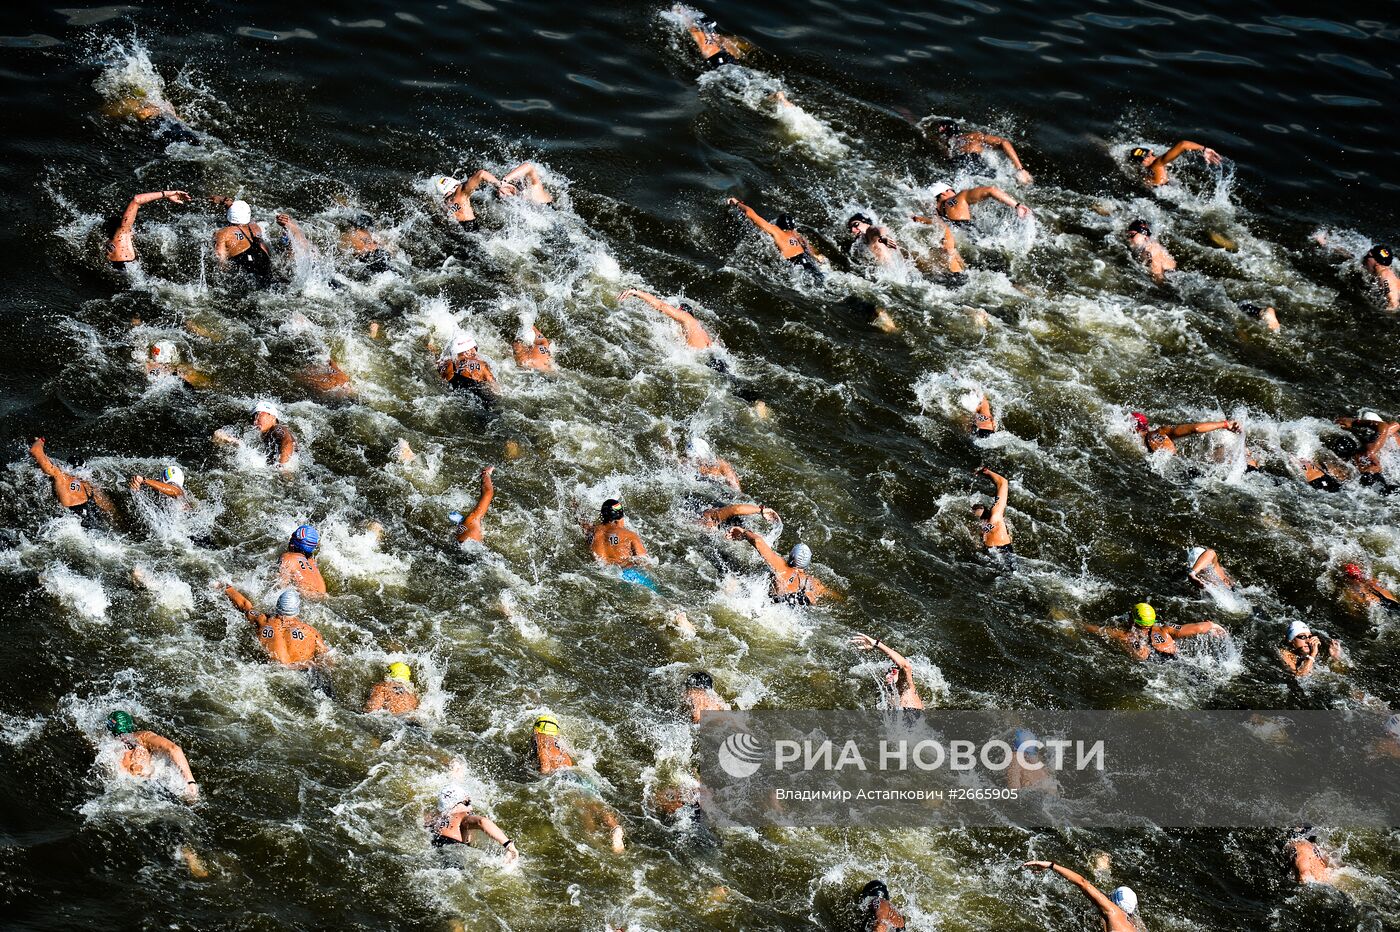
1296, 628
1125, 899
1392, 725
239, 213
1370, 416
526, 333
165, 352
465, 342
445, 184
1193, 554
939, 188
174, 475
265, 407
451, 795
699, 448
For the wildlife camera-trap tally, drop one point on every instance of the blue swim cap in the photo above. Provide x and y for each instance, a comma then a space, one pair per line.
305, 539
1023, 737
289, 603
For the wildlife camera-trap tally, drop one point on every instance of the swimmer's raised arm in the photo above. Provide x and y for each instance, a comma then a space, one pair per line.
976, 195
1003, 493
1196, 629
1200, 427
1107, 907
866, 642
297, 239
471, 524
775, 562
754, 216
1210, 155
46, 465
120, 248
243, 604
1202, 563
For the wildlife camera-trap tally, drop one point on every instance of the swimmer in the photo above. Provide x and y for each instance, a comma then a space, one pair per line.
158, 113
951, 263
277, 440
284, 636
457, 195
1032, 774
77, 495
463, 368
170, 484
790, 583
1162, 437
1149, 639
707, 466
880, 914
1368, 460
1320, 475
695, 336
1303, 650
549, 757
163, 361
121, 231
1116, 909
141, 746
469, 526
1154, 168
996, 537
1148, 251
531, 348
956, 206
728, 515
611, 540
962, 144
1206, 569
1266, 315
876, 240
792, 245
984, 424
455, 818
1305, 857
715, 49
533, 187
297, 566
899, 678
700, 696
1378, 263
395, 692
326, 379
240, 244
1360, 591
360, 242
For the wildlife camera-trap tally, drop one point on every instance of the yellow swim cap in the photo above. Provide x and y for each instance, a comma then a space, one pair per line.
1145, 614
400, 672
546, 725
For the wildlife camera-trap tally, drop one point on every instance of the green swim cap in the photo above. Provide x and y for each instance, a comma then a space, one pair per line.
1144, 614
120, 723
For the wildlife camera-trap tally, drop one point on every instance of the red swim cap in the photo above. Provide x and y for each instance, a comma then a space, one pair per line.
1141, 420
1352, 570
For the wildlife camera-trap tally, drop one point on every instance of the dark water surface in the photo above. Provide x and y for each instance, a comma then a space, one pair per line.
311, 813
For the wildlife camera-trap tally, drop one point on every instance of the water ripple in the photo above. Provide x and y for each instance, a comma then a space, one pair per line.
1124, 22
1217, 58
1307, 24
1343, 100
1353, 64
1012, 44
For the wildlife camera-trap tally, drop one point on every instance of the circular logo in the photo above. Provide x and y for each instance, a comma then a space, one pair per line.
740, 755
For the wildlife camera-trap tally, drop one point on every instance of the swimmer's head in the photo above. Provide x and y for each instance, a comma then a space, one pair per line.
699, 680
875, 889
785, 222
1125, 899
1022, 737
947, 128
707, 24
361, 221
1139, 420
239, 213
265, 409
857, 224
174, 475
800, 556
892, 674
120, 723
305, 539
698, 448
1139, 226
289, 603
1250, 309
1296, 630
1381, 254
164, 352
1352, 571
940, 190
547, 725
1193, 554
611, 511
464, 343
1144, 615
1139, 154
979, 511
445, 185
1371, 416
451, 795
1392, 726
525, 333
400, 671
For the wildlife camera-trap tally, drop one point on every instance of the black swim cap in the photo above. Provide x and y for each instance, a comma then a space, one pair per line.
362, 220
612, 510
785, 222
947, 128
1381, 254
707, 24
1140, 226
1139, 153
699, 680
859, 218
875, 888
1251, 309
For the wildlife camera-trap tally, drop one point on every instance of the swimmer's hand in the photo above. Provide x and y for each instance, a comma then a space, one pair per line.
771, 515
863, 642
137, 482
178, 197
192, 791
1038, 865
1024, 177
629, 293
220, 201
282, 219
224, 435
732, 201
1211, 156
1233, 426
507, 189
1216, 630
512, 853
739, 533
1022, 211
